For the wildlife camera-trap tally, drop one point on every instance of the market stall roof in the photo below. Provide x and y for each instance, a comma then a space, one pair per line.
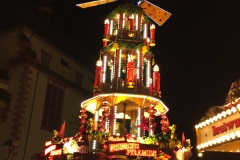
132, 102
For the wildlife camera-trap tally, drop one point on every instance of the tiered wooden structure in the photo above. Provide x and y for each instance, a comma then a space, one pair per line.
126, 81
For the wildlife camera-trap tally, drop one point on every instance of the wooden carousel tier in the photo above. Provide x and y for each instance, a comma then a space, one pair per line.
130, 101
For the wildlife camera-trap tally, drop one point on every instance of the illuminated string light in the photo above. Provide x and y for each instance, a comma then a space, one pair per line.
145, 31
148, 73
94, 144
138, 63
136, 19
104, 68
139, 122
119, 62
113, 69
111, 27
123, 21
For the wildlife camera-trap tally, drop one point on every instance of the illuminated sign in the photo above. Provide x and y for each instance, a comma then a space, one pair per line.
56, 152
116, 139
225, 126
123, 146
49, 149
142, 153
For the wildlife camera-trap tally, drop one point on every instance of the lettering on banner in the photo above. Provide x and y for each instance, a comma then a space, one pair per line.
226, 126
123, 146
142, 153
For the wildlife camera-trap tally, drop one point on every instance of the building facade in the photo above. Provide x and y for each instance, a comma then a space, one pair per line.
41, 86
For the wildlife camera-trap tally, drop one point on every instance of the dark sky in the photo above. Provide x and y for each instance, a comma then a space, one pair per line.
198, 50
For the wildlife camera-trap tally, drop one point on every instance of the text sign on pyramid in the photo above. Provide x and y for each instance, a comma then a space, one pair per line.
154, 12
94, 3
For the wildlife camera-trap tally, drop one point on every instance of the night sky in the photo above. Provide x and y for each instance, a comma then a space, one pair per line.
197, 48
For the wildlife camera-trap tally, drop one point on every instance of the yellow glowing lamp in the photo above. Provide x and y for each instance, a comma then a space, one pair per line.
115, 46
144, 49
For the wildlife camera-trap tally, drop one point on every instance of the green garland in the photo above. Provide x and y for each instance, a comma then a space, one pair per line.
129, 9
122, 44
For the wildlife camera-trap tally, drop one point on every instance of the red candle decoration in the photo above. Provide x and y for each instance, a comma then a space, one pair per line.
152, 35
131, 22
104, 44
98, 73
152, 32
106, 27
156, 79
130, 70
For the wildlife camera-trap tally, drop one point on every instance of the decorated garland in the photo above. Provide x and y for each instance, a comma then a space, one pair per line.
82, 118
129, 9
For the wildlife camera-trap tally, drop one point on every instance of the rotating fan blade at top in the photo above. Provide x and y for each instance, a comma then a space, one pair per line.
156, 13
94, 3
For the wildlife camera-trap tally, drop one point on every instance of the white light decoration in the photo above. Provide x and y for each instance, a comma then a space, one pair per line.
114, 120
219, 115
232, 135
200, 125
148, 73
238, 134
214, 141
215, 118
198, 147
139, 122
211, 120
156, 68
138, 63
104, 68
136, 21
119, 62
111, 27
200, 154
222, 139
229, 112
210, 143
145, 31
207, 122
123, 21
94, 144
113, 69
204, 124
238, 107
224, 114
99, 63
233, 109
196, 126
227, 137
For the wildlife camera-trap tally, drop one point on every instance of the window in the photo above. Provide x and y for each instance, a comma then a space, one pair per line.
79, 78
51, 118
46, 58
64, 63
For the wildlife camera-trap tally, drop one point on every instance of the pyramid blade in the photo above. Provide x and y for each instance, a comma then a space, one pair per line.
94, 3
156, 13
